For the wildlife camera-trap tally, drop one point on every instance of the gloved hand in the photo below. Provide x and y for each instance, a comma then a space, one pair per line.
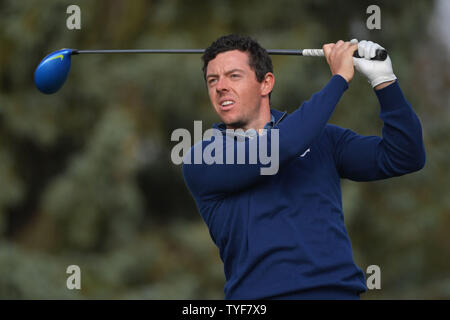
375, 71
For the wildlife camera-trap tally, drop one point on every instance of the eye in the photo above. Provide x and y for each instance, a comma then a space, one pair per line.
235, 75
211, 81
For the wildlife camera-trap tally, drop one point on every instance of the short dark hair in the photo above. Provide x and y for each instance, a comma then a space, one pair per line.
259, 59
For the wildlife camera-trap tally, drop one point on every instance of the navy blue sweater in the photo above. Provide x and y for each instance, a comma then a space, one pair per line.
283, 235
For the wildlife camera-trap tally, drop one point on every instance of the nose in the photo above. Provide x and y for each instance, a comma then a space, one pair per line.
222, 85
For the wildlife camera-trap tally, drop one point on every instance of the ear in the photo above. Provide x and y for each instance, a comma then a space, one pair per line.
267, 84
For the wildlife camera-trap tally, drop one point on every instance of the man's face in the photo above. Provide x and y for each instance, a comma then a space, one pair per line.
234, 91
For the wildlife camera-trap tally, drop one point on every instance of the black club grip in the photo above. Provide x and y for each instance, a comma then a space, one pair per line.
380, 54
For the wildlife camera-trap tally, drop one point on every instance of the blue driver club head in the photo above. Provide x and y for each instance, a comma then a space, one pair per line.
52, 72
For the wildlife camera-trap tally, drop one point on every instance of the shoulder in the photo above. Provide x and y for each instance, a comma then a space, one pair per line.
193, 159
189, 157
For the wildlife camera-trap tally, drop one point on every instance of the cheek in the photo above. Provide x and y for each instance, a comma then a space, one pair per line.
252, 96
212, 96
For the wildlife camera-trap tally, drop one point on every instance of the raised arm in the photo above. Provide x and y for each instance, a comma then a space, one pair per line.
400, 150
296, 132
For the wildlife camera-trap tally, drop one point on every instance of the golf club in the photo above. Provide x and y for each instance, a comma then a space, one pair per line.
52, 71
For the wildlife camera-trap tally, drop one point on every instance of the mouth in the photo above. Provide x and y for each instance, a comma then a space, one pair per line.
226, 104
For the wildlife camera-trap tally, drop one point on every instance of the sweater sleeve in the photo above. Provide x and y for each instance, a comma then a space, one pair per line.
295, 134
400, 150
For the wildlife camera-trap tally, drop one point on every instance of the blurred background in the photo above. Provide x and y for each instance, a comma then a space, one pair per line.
86, 176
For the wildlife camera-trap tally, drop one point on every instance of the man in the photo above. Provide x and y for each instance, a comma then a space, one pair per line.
282, 236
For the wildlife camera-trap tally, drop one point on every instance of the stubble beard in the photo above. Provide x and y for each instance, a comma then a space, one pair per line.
240, 123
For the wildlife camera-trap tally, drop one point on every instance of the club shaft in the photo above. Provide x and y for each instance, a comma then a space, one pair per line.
380, 54
178, 51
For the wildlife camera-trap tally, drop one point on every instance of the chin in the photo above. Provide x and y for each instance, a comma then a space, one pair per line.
235, 124
232, 120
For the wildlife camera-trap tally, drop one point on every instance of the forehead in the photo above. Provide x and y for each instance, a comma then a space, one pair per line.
228, 60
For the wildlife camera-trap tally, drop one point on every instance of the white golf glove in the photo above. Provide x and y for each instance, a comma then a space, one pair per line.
375, 71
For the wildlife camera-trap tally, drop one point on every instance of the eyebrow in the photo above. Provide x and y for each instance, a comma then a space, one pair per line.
226, 73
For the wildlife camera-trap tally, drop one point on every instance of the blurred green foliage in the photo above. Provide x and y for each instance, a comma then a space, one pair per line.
86, 176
